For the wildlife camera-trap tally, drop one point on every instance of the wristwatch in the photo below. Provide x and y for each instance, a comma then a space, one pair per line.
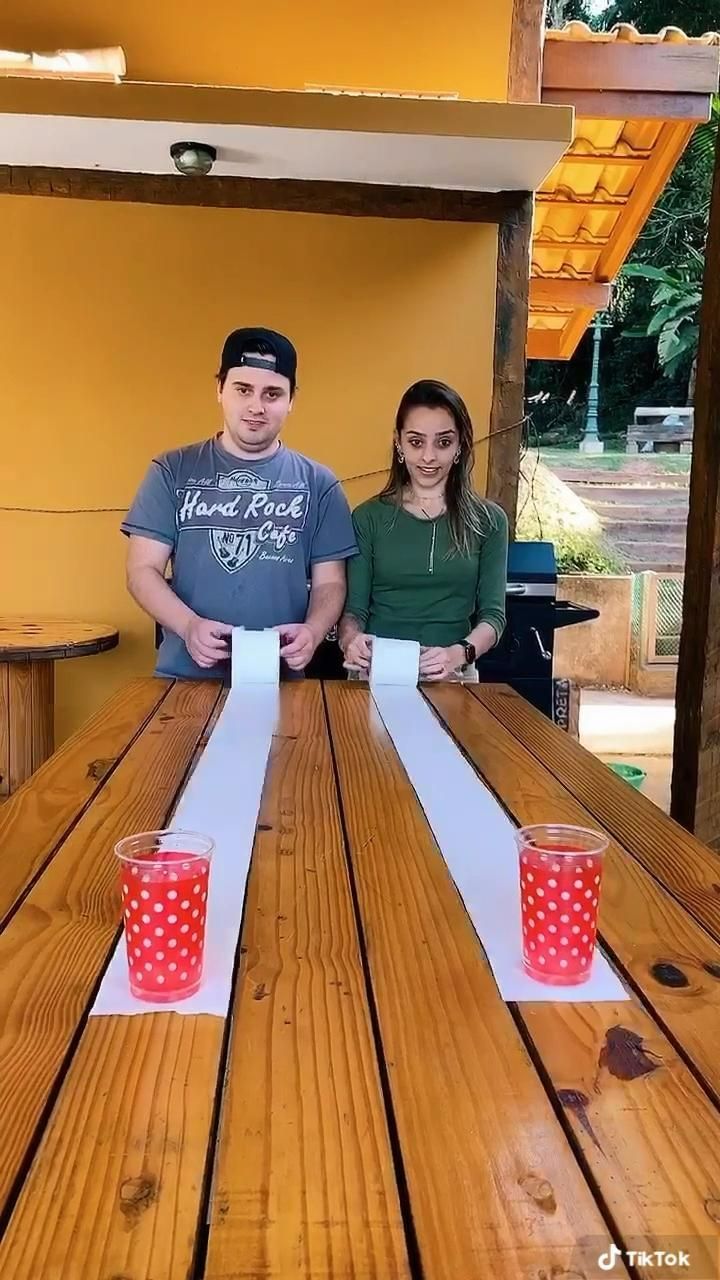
470, 653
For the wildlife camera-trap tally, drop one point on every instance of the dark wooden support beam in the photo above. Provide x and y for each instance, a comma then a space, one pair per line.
526, 43
353, 199
507, 410
696, 767
508, 400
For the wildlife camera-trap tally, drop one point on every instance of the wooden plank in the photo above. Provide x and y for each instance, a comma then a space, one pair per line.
346, 199
20, 723
671, 960
601, 104
646, 1128
36, 818
696, 767
604, 159
4, 731
569, 293
43, 712
686, 868
544, 200
507, 409
622, 65
55, 946
526, 46
543, 344
304, 1179
477, 1131
117, 1184
574, 330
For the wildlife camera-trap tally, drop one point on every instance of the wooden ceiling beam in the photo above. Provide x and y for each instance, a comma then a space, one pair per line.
352, 199
625, 65
569, 293
546, 200
543, 344
614, 158
626, 104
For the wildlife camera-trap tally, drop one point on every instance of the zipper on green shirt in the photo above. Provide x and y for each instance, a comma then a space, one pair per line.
431, 565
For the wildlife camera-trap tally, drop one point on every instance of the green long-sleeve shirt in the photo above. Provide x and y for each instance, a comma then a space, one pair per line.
404, 585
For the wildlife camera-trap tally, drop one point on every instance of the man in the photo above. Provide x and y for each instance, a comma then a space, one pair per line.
247, 523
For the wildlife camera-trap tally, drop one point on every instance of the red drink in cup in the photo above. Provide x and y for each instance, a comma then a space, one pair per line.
164, 887
560, 880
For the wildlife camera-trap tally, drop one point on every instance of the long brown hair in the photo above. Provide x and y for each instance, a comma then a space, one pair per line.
469, 518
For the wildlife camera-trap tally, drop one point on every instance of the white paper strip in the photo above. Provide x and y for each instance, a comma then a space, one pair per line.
476, 839
394, 662
221, 800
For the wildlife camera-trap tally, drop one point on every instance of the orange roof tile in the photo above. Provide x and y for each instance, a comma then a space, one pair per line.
626, 31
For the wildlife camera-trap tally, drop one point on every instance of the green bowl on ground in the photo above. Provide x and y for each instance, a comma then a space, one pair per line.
632, 773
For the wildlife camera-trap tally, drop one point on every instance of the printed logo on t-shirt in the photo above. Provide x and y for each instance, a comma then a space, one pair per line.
259, 518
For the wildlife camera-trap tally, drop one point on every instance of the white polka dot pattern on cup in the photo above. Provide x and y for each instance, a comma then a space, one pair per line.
569, 891
161, 918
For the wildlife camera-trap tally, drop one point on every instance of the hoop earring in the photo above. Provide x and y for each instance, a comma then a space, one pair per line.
401, 455
457, 458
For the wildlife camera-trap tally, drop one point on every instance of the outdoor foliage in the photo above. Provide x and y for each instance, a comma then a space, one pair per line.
675, 319
549, 511
648, 353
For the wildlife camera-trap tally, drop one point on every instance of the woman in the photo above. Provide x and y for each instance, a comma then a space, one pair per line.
432, 564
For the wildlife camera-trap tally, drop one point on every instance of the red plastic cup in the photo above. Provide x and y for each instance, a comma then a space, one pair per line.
164, 886
560, 880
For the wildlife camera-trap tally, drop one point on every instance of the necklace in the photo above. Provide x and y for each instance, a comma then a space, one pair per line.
414, 501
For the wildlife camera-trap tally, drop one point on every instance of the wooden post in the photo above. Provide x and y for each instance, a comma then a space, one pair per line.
696, 769
513, 279
508, 398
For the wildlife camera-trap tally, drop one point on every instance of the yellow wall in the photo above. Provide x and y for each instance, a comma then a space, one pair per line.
459, 46
111, 324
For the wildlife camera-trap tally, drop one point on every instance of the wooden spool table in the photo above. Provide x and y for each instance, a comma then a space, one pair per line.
28, 651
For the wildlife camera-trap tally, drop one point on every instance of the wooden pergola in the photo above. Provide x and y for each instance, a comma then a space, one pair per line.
637, 100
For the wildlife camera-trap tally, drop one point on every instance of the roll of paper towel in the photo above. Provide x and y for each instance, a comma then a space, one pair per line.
394, 662
255, 657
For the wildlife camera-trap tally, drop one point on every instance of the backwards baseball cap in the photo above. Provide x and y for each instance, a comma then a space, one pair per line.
259, 349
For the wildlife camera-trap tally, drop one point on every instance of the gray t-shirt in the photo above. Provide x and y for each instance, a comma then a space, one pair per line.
244, 536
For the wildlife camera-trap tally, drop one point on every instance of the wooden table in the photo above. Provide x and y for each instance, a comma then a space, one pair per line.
28, 651
372, 1109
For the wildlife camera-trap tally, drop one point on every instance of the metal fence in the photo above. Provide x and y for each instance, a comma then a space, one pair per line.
657, 617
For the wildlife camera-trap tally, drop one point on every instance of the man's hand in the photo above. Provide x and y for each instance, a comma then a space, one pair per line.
204, 641
438, 664
358, 652
298, 643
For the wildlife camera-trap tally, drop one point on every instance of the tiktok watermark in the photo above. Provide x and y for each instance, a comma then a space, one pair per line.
671, 1258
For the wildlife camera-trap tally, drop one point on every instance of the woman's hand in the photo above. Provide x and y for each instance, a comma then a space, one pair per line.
357, 652
438, 663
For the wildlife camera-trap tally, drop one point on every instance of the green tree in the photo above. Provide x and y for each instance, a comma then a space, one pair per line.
695, 17
670, 256
561, 11
675, 320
